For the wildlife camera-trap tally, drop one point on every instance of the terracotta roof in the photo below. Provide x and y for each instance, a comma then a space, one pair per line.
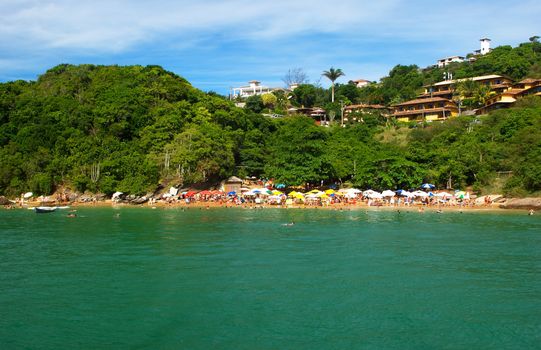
529, 81
482, 77
422, 100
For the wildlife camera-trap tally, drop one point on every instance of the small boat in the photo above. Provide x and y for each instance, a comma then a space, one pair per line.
44, 209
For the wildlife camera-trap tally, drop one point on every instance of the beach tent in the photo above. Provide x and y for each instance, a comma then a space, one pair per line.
388, 193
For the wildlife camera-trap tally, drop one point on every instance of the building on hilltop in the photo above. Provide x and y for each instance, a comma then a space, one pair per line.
485, 48
425, 109
507, 98
359, 82
448, 60
446, 88
254, 88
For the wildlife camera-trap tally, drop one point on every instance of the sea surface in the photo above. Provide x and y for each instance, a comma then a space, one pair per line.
137, 278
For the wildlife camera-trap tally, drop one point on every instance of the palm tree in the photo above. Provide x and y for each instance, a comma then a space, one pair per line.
332, 74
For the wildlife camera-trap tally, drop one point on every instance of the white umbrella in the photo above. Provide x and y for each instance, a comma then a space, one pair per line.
367, 193
388, 193
406, 194
372, 194
28, 195
419, 194
443, 194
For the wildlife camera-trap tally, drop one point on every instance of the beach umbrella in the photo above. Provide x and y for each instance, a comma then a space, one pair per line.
329, 192
232, 193
388, 193
427, 186
419, 194
443, 194
281, 186
313, 191
28, 195
374, 195
404, 193
460, 194
276, 193
244, 189
367, 193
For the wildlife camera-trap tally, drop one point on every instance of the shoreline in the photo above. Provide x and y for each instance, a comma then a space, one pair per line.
333, 207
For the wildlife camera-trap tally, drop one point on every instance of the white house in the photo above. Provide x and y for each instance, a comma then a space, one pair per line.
485, 47
360, 82
448, 60
254, 88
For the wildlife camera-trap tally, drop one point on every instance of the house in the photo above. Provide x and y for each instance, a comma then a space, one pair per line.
445, 89
360, 82
508, 97
485, 47
448, 60
233, 184
425, 109
254, 88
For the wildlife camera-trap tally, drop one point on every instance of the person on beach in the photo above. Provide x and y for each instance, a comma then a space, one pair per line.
531, 212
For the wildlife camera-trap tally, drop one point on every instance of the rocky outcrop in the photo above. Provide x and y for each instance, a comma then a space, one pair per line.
522, 203
5, 201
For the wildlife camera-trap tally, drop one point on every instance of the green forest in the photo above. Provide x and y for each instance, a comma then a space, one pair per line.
131, 128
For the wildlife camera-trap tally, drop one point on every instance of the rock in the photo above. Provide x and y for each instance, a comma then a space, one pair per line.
522, 203
5, 201
140, 200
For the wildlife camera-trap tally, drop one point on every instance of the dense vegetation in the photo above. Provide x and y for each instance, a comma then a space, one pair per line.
111, 128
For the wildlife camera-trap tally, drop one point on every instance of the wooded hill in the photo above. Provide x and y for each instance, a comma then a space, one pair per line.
111, 128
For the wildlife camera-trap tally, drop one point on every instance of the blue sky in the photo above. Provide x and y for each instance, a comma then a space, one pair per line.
219, 44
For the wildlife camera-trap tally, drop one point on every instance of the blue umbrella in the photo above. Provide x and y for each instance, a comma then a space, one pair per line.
281, 186
427, 186
232, 193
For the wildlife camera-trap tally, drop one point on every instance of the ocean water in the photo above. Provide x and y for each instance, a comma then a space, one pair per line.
137, 278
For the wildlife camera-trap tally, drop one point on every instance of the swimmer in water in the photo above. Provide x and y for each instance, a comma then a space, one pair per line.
531, 212
289, 224
72, 215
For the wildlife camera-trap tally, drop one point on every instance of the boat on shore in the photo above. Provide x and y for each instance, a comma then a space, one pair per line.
42, 210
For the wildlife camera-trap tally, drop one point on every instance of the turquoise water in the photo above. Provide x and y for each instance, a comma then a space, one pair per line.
238, 279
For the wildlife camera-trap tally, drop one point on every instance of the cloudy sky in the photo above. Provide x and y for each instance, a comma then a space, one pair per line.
219, 44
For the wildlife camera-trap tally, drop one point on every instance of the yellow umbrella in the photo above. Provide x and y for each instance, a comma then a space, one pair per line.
277, 193
313, 191
330, 191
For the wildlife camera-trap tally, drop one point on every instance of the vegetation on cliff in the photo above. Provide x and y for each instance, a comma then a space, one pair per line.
111, 128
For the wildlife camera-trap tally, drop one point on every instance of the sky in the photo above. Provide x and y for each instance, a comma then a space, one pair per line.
217, 45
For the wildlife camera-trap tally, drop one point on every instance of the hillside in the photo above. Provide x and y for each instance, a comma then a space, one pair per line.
110, 128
